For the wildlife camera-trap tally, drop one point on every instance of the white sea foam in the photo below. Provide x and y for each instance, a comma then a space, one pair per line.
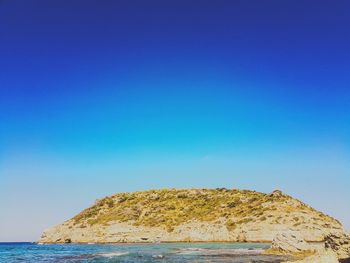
113, 254
228, 251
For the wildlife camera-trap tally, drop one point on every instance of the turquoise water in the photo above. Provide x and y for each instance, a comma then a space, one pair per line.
176, 252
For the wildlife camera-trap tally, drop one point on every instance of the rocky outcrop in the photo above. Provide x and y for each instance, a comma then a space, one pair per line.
193, 215
339, 243
292, 244
336, 248
320, 257
289, 242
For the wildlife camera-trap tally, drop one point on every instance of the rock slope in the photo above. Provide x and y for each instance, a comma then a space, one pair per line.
174, 215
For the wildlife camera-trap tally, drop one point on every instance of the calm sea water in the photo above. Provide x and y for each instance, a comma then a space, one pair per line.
175, 252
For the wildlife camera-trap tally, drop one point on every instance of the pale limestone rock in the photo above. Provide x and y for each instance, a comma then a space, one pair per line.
289, 242
321, 257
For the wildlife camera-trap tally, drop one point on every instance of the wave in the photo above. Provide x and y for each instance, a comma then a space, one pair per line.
223, 251
113, 254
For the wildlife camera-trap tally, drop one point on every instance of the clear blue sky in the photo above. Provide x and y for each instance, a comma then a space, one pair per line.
104, 96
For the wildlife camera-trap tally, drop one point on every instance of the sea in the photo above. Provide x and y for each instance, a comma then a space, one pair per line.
162, 252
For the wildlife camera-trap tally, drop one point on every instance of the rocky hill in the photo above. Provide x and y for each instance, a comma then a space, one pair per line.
172, 215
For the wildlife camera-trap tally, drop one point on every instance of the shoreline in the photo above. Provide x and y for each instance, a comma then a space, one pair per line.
146, 243
169, 242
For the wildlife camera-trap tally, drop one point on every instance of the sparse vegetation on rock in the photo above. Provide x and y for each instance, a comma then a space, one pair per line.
193, 215
172, 207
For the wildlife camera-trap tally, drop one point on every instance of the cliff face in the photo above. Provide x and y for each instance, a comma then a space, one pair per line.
193, 215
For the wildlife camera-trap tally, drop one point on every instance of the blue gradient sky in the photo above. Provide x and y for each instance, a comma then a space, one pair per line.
98, 97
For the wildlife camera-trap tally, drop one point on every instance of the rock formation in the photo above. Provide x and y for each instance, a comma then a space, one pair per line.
335, 247
289, 242
339, 243
320, 257
193, 215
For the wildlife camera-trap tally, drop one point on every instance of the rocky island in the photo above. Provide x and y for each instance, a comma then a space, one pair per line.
197, 215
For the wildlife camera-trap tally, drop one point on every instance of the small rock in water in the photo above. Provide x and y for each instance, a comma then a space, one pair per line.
158, 256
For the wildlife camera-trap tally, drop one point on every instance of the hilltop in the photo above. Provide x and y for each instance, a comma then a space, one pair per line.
174, 215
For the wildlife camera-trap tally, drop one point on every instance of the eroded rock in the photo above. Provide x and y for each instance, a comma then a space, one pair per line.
321, 257
290, 242
339, 243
